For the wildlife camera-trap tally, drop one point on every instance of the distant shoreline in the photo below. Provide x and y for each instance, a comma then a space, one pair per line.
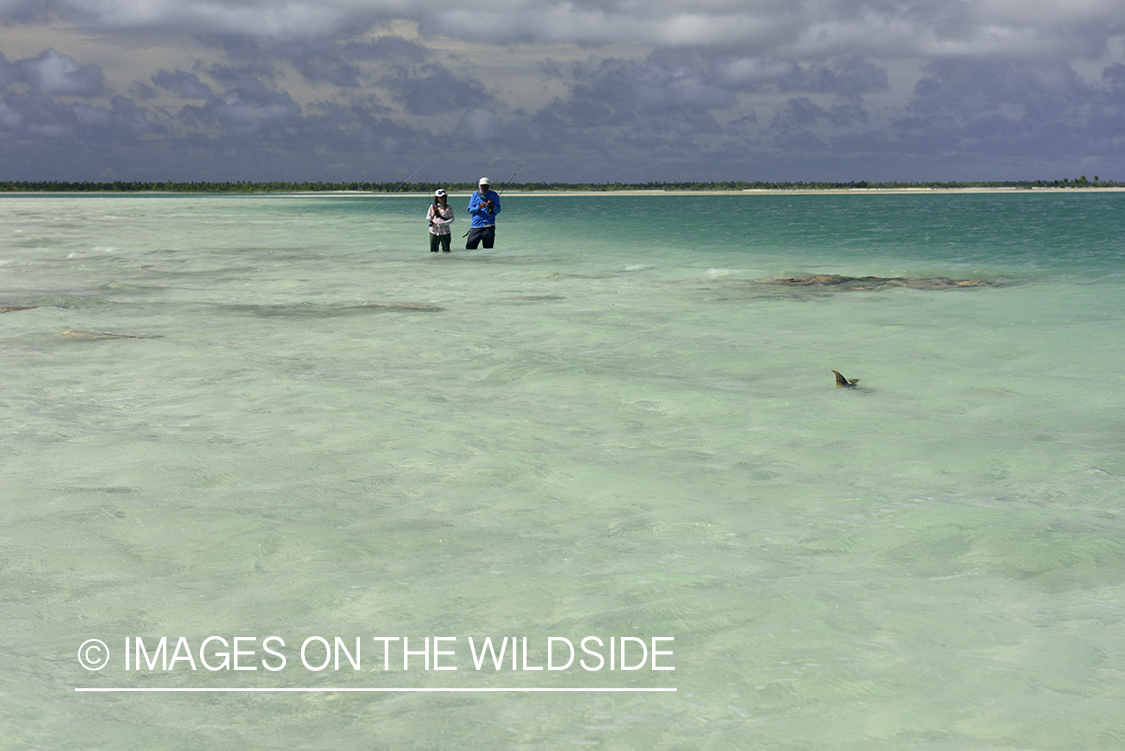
787, 192
747, 192
730, 187
574, 193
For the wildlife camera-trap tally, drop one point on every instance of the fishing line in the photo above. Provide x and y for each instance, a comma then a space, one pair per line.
404, 182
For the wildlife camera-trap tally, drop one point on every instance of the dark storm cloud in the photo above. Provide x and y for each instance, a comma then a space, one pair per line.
1002, 108
340, 61
800, 112
1114, 75
822, 29
679, 94
186, 85
974, 88
317, 60
432, 89
37, 129
325, 69
122, 120
653, 109
359, 128
667, 88
251, 109
239, 111
1108, 110
43, 139
23, 11
7, 72
391, 49
852, 75
258, 118
981, 115
711, 79
624, 91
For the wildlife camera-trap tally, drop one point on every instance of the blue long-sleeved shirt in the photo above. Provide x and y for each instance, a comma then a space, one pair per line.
481, 216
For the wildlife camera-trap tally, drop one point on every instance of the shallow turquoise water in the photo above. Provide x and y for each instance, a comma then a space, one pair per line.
608, 425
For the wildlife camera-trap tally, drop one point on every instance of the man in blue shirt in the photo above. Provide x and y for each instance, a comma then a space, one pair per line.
483, 207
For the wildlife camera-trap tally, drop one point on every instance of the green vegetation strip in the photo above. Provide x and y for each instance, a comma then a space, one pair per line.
54, 186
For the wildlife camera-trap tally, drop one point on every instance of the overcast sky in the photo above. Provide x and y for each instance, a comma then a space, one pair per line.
581, 91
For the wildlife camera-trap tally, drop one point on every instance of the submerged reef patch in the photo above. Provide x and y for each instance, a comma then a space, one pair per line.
835, 282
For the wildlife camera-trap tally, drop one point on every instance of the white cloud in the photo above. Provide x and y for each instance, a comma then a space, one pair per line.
753, 70
818, 27
1049, 12
60, 75
478, 124
265, 20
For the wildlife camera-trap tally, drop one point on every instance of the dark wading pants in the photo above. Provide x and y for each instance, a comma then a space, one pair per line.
442, 240
487, 235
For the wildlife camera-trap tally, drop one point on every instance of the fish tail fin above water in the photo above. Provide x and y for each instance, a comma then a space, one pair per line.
844, 383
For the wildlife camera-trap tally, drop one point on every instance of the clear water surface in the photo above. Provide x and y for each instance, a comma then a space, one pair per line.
610, 425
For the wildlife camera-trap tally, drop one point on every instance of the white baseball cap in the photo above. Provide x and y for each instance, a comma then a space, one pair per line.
483, 181
439, 193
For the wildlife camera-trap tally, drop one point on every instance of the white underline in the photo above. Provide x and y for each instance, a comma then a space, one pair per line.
370, 690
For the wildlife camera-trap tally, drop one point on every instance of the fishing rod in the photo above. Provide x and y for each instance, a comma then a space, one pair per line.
404, 182
511, 178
